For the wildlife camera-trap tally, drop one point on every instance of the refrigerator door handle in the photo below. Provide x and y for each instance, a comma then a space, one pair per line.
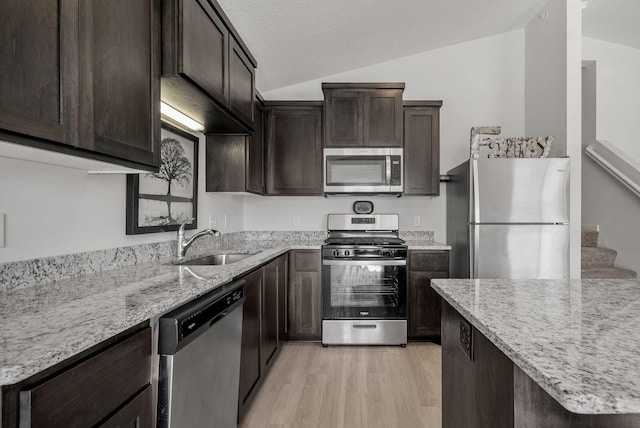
474, 244
476, 191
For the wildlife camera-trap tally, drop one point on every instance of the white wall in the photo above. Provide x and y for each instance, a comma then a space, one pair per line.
52, 210
481, 82
276, 213
553, 96
605, 201
618, 92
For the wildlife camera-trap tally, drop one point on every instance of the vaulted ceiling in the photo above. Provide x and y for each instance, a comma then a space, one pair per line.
300, 40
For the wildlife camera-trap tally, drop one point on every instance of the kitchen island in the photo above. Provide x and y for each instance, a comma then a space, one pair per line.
540, 353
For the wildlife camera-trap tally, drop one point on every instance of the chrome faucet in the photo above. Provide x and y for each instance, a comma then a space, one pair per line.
184, 245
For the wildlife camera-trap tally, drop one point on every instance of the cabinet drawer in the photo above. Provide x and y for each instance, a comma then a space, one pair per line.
429, 260
305, 261
89, 391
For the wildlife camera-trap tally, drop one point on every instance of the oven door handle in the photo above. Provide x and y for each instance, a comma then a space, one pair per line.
365, 262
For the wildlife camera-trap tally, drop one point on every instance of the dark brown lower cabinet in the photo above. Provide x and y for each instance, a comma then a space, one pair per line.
260, 327
136, 413
483, 388
423, 302
269, 323
250, 354
305, 295
107, 385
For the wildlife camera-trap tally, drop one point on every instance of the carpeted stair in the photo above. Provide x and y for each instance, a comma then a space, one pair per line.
597, 262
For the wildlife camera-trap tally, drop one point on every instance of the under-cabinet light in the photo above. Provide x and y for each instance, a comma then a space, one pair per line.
179, 117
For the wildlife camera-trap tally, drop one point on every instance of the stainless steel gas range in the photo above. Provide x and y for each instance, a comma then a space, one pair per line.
364, 281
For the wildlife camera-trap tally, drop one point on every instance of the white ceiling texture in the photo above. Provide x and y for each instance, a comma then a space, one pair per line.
299, 40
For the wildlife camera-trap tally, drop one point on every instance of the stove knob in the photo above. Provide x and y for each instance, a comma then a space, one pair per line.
336, 253
347, 253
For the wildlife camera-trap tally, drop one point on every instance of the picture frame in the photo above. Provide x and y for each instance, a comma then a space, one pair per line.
160, 202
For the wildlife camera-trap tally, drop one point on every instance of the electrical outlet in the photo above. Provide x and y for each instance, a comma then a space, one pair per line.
213, 221
2, 244
416, 220
296, 220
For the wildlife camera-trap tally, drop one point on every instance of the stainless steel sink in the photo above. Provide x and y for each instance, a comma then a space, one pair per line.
217, 259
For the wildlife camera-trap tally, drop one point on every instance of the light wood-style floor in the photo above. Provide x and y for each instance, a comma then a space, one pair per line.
350, 387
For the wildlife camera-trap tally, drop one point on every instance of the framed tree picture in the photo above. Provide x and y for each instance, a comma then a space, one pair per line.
160, 202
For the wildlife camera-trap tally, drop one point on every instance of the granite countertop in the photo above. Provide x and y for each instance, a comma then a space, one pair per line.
46, 323
426, 244
578, 339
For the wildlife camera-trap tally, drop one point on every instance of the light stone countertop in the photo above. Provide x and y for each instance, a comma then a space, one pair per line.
578, 339
46, 323
426, 244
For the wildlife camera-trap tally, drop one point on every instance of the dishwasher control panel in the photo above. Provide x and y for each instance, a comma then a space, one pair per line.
209, 314
182, 325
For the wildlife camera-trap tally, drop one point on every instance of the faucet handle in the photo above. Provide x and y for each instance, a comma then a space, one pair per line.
184, 223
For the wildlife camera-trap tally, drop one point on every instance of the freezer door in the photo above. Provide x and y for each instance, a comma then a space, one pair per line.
520, 190
519, 251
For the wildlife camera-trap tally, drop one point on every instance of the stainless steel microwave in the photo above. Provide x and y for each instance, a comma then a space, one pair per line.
363, 170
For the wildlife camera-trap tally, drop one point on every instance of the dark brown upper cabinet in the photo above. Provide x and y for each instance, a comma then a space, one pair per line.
119, 51
39, 80
207, 71
363, 114
422, 148
85, 80
235, 163
294, 147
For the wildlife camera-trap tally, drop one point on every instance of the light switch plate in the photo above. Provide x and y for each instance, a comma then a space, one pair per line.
2, 218
296, 220
416, 220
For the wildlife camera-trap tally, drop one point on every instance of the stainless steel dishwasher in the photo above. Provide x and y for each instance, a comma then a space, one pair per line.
199, 346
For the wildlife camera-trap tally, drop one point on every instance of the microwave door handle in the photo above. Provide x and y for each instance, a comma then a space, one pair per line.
388, 170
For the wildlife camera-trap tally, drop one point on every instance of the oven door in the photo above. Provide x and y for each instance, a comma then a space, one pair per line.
361, 289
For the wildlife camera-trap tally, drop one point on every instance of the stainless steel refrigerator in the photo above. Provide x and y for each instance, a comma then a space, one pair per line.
509, 218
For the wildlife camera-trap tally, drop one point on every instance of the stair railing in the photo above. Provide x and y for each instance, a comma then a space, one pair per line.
616, 162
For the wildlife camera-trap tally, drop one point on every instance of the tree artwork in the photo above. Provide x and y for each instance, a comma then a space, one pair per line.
175, 168
161, 201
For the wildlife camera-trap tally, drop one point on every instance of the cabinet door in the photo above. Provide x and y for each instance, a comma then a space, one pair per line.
120, 78
226, 159
88, 392
424, 305
294, 146
37, 65
421, 151
241, 85
382, 120
250, 353
205, 44
343, 120
305, 305
137, 413
255, 153
422, 301
283, 280
269, 325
